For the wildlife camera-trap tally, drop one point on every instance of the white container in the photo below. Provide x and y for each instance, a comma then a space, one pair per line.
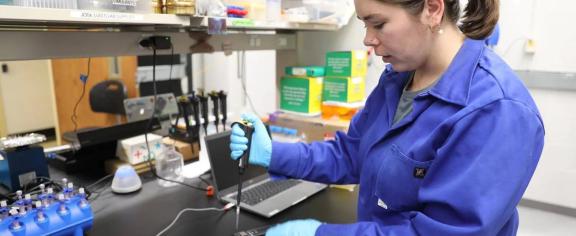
134, 151
273, 10
317, 10
169, 166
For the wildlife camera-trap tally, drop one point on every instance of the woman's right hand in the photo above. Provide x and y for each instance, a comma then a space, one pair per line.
261, 145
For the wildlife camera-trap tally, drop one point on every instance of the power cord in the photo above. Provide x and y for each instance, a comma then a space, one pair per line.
171, 62
99, 181
204, 181
242, 77
225, 208
149, 161
84, 79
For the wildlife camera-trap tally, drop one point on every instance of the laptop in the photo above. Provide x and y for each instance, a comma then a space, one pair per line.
260, 194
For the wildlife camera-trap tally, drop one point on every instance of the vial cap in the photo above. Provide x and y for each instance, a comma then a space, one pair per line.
61, 196
13, 212
81, 190
3, 203
70, 185
50, 190
38, 204
27, 196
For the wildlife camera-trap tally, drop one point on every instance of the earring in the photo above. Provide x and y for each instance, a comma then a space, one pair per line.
436, 29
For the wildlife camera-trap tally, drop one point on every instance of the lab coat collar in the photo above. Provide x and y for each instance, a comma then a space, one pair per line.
454, 85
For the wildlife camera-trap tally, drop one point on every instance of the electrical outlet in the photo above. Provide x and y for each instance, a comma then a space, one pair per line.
530, 46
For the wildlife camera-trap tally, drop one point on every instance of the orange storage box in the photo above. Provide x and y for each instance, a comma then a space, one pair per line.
341, 110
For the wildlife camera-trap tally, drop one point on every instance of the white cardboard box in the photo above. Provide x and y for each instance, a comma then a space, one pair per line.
133, 150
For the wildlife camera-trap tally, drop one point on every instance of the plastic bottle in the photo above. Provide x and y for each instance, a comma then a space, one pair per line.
276, 133
286, 135
169, 166
292, 135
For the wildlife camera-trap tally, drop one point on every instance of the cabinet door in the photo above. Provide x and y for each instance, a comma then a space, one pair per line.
26, 97
68, 88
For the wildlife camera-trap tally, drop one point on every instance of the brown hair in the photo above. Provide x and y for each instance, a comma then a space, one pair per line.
480, 16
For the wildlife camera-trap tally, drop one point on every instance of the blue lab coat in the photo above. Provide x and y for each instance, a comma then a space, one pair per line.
457, 165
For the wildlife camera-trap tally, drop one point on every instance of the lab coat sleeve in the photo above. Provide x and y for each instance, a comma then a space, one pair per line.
334, 161
473, 186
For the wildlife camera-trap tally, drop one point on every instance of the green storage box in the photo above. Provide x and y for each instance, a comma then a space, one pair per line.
301, 94
343, 89
306, 71
347, 63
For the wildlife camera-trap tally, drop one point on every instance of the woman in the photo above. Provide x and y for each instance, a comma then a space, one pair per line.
447, 142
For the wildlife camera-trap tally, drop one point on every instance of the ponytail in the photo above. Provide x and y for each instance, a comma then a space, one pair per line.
480, 18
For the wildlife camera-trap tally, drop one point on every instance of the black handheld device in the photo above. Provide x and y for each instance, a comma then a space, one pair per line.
260, 231
196, 109
204, 107
215, 110
223, 108
248, 129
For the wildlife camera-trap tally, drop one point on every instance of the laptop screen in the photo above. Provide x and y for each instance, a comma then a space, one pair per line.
224, 169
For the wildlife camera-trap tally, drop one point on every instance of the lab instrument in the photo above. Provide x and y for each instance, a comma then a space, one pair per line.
242, 164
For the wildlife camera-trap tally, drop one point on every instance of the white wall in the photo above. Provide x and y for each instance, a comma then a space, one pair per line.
548, 23
220, 72
26, 91
554, 179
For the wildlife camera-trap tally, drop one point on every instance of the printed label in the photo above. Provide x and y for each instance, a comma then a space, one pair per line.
107, 16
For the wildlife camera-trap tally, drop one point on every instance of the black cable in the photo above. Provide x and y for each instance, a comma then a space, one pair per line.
74, 116
149, 161
171, 62
204, 180
35, 182
97, 195
99, 181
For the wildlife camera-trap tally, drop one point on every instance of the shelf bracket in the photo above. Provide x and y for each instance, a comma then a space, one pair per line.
201, 45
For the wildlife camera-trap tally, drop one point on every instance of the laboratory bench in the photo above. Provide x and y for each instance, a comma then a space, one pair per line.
153, 207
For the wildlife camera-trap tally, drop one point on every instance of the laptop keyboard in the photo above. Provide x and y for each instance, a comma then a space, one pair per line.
266, 190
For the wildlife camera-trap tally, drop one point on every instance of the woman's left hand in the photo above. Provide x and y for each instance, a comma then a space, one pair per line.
306, 227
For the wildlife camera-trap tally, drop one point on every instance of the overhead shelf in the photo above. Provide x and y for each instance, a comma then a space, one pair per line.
25, 33
14, 15
28, 17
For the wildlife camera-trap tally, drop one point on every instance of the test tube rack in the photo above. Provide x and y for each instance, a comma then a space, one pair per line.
65, 213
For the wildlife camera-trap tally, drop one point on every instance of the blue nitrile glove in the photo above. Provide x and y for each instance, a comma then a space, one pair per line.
295, 228
261, 150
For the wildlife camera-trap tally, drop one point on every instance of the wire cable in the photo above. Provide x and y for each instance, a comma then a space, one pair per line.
190, 209
99, 181
242, 78
204, 181
149, 161
171, 62
84, 80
